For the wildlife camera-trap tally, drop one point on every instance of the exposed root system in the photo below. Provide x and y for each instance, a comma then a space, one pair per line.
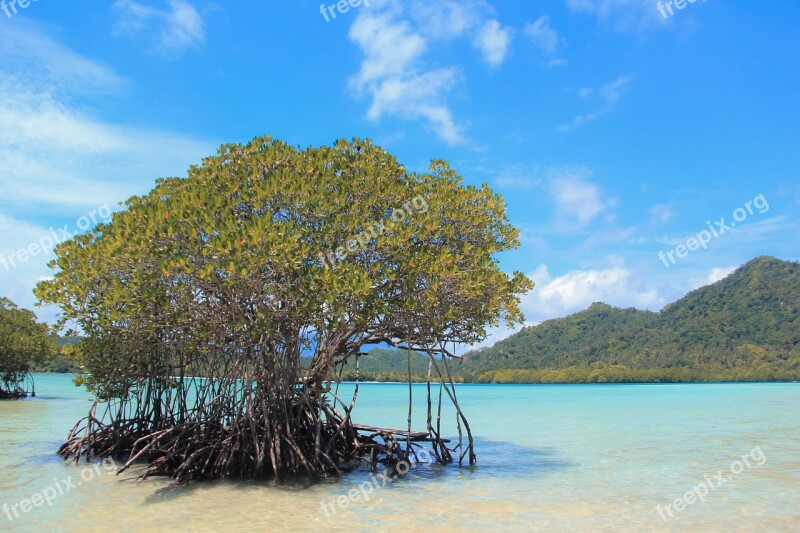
274, 424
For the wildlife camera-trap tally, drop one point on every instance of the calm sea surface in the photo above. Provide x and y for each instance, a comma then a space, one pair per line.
550, 458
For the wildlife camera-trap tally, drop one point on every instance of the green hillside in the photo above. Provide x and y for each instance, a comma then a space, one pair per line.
380, 364
744, 327
383, 360
60, 363
67, 341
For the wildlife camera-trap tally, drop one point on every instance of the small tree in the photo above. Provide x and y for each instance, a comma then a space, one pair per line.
267, 254
23, 342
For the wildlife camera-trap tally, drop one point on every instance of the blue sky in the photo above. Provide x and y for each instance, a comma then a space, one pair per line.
612, 131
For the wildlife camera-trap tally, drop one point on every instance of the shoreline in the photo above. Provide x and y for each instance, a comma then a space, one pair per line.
723, 382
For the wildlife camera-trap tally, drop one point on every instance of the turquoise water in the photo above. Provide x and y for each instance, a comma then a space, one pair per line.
550, 458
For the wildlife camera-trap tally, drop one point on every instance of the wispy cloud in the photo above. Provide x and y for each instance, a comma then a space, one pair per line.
519, 176
577, 200
54, 150
609, 94
516, 182
443, 19
613, 236
612, 92
41, 62
493, 41
60, 159
547, 39
633, 15
178, 28
660, 214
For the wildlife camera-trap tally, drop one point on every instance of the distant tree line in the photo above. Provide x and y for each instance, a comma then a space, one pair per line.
23, 342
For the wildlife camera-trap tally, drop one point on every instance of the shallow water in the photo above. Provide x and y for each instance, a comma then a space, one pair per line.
550, 457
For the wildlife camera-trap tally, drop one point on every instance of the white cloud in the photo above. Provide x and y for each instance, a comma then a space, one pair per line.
390, 48
396, 73
180, 27
389, 74
444, 19
575, 291
493, 41
546, 38
609, 94
578, 289
719, 273
577, 200
714, 275
660, 214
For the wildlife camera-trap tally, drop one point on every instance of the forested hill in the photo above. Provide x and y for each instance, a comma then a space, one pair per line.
744, 327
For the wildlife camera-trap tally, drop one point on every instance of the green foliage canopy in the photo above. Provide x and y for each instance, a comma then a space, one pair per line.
234, 252
23, 342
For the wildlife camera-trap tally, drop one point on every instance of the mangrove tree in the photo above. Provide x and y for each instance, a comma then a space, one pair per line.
219, 308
